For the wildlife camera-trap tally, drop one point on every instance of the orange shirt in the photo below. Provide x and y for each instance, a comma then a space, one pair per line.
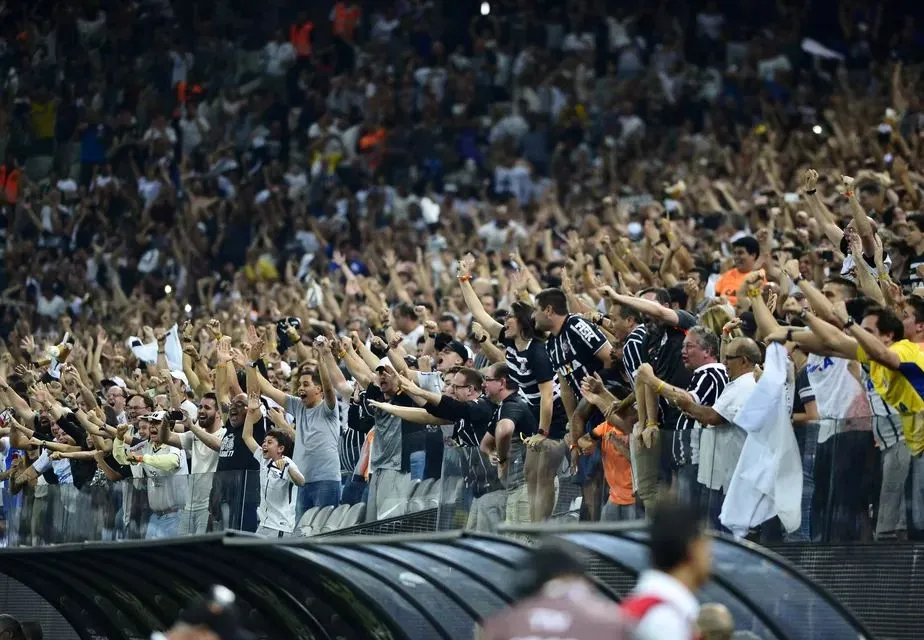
729, 282
345, 20
300, 37
616, 467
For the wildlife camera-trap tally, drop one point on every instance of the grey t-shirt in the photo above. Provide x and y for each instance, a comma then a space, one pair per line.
387, 440
317, 440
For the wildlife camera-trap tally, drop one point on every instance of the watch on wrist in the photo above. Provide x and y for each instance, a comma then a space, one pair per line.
483, 339
849, 322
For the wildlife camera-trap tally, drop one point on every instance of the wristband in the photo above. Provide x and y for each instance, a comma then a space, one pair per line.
797, 279
542, 433
652, 425
849, 194
483, 339
789, 335
660, 386
811, 192
754, 292
255, 363
465, 278
849, 323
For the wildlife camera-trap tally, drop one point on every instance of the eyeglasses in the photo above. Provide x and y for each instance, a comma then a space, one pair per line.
458, 387
491, 379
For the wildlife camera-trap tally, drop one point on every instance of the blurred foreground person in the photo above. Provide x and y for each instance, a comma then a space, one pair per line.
212, 618
10, 629
715, 622
556, 601
663, 603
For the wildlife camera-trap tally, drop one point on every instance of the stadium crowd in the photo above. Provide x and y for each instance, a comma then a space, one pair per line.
258, 263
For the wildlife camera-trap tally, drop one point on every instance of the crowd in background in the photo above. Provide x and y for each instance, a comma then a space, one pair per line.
327, 253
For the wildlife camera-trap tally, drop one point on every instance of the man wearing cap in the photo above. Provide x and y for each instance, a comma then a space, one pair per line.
390, 482
164, 467
424, 448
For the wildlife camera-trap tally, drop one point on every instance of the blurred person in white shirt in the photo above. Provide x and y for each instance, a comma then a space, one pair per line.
663, 602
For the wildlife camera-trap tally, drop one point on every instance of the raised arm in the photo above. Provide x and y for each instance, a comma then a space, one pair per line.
417, 415
492, 326
873, 346
647, 307
253, 415
683, 400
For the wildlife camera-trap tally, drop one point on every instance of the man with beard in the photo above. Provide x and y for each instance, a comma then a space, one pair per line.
201, 440
237, 481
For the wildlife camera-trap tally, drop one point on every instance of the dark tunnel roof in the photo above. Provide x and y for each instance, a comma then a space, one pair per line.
414, 587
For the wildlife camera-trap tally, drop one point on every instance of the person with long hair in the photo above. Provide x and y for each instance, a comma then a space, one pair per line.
530, 366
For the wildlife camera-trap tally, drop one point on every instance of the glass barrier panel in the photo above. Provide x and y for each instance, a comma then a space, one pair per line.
137, 508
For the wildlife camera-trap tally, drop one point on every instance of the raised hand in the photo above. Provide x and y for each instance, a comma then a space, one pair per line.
223, 350
213, 326
466, 265
809, 180
253, 404
28, 344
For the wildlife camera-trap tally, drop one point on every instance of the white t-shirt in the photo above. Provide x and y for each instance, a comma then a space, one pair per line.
202, 467
720, 447
838, 394
676, 618
278, 494
278, 57
193, 130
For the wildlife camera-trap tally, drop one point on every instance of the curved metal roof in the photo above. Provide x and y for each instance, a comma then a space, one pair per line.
393, 587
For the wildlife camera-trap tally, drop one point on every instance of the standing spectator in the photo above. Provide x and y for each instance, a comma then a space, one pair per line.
165, 468
317, 429
278, 473
201, 440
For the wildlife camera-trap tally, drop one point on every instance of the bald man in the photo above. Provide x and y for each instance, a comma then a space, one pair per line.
715, 622
721, 441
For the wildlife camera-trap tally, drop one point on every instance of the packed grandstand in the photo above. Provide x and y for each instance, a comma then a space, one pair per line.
379, 267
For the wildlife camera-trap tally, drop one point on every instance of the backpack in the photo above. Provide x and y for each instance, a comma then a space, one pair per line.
636, 607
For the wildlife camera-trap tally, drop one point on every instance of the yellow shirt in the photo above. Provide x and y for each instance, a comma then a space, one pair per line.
902, 388
43, 119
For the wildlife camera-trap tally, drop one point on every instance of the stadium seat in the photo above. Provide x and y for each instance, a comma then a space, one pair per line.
419, 497
450, 490
335, 519
318, 523
354, 516
303, 528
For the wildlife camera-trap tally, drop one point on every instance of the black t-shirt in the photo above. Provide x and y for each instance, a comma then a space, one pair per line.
573, 352
517, 410
529, 368
661, 348
804, 392
911, 278
233, 455
472, 419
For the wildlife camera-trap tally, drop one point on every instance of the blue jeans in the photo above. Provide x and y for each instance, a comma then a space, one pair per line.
163, 525
418, 464
354, 489
322, 493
